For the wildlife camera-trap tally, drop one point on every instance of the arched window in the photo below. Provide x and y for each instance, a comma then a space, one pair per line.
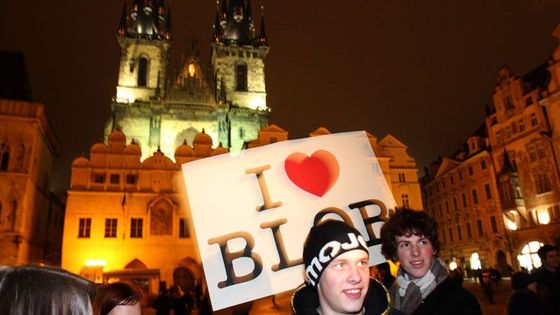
4, 157
241, 76
528, 258
143, 71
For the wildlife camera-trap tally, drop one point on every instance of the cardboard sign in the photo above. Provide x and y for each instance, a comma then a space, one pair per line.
252, 211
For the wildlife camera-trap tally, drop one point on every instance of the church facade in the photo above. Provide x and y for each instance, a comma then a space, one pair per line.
126, 216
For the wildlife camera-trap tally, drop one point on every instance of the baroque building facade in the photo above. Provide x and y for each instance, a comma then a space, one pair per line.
126, 217
515, 177
31, 217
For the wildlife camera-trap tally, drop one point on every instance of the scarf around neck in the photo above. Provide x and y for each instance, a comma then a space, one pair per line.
410, 293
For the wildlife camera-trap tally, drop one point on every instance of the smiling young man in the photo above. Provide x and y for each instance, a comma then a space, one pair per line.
337, 274
422, 285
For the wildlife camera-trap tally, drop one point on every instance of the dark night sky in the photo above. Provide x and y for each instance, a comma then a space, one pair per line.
421, 70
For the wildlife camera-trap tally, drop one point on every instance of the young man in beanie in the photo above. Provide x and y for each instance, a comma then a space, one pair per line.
337, 274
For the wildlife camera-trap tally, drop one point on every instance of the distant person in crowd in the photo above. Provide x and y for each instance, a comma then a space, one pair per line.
548, 279
337, 274
34, 290
485, 280
384, 274
457, 276
423, 285
117, 299
524, 299
162, 303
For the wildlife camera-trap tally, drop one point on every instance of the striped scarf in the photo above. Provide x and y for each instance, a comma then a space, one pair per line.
409, 293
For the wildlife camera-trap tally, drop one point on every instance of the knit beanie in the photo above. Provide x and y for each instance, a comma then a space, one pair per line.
520, 280
324, 243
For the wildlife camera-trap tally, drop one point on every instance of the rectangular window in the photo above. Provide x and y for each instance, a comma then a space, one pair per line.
543, 183
84, 228
115, 179
446, 207
474, 196
451, 179
131, 179
533, 120
459, 233
110, 228
464, 199
451, 234
483, 165
469, 233
470, 170
98, 178
184, 228
494, 224
455, 203
520, 125
402, 179
444, 235
479, 227
443, 183
460, 175
488, 191
136, 225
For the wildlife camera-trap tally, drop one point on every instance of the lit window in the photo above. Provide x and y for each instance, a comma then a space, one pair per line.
84, 228
529, 259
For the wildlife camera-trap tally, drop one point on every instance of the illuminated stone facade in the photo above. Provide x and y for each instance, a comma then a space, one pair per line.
160, 109
518, 188
31, 218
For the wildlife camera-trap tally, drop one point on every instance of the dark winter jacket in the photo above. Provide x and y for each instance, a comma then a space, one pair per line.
305, 300
448, 298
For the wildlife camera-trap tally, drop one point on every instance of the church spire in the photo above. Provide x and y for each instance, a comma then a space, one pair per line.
262, 39
122, 30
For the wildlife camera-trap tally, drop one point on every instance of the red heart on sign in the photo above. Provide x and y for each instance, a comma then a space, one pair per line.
315, 174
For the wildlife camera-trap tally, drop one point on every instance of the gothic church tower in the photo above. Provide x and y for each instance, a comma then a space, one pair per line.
161, 110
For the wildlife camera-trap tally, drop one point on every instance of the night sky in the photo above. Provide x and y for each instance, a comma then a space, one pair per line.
421, 70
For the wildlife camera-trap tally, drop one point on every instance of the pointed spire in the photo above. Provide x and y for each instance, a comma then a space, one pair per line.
262, 40
168, 26
217, 34
223, 14
122, 30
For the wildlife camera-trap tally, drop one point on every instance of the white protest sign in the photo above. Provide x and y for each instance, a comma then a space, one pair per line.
252, 211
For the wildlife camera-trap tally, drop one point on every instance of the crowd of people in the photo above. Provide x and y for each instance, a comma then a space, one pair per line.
337, 281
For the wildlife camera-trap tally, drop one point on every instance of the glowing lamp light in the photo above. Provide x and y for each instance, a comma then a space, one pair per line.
95, 263
452, 265
511, 225
192, 70
257, 102
543, 217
